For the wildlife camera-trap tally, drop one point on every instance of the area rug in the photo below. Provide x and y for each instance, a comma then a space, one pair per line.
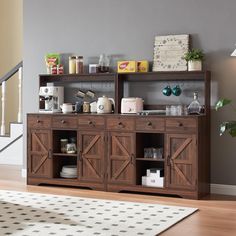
30, 214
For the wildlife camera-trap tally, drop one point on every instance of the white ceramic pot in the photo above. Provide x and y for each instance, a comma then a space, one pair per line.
194, 65
104, 105
67, 108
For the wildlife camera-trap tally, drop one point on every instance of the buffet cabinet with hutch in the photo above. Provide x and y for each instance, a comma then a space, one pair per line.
110, 147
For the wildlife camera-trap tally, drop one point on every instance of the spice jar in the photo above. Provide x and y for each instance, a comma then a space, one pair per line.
86, 107
79, 68
72, 64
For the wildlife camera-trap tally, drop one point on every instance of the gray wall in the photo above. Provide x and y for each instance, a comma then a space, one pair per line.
126, 28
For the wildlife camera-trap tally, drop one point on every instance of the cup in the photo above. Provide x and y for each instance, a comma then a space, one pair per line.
67, 108
176, 90
167, 91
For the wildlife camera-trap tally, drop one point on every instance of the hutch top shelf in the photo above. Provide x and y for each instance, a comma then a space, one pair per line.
136, 77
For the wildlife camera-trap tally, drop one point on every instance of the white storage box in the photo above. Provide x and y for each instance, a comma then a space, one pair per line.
155, 172
155, 181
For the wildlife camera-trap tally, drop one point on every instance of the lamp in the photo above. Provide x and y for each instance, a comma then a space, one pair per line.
233, 54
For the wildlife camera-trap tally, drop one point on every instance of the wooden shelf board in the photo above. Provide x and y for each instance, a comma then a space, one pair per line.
164, 76
75, 78
65, 154
149, 159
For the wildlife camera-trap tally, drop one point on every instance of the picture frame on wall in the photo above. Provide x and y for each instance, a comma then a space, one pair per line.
169, 52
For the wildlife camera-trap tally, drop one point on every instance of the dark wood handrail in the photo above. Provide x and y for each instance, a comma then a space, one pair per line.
9, 74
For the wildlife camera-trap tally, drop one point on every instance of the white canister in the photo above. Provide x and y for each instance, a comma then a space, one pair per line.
93, 107
67, 108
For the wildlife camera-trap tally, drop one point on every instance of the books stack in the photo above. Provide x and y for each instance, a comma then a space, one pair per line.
169, 53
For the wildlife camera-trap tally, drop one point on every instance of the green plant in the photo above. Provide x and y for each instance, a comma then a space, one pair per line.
229, 126
194, 55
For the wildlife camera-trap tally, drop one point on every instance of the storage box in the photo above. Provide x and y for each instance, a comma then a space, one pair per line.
142, 66
126, 66
144, 180
155, 181
155, 172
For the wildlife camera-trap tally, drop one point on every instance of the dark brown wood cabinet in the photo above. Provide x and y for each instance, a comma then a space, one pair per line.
110, 147
121, 158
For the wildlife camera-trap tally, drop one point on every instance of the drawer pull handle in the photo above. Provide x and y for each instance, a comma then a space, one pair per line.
149, 124
63, 121
180, 124
120, 124
90, 122
38, 121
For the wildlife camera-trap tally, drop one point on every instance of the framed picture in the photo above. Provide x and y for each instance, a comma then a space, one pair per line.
169, 53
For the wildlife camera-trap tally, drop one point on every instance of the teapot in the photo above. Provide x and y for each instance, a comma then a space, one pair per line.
104, 104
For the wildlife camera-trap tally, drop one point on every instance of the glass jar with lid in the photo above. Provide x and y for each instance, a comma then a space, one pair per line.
72, 64
79, 67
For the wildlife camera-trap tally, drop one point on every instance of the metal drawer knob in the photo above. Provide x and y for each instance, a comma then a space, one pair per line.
149, 123
120, 124
38, 121
63, 121
180, 124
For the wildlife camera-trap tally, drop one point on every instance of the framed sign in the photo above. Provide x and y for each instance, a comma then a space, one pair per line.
169, 53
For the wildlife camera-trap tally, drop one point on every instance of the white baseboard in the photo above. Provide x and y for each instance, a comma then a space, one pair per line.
223, 189
23, 173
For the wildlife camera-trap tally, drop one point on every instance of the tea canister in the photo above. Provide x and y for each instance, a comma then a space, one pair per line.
86, 107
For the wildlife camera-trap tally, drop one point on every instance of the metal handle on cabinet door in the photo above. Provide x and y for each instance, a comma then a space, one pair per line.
63, 121
149, 124
120, 124
50, 154
168, 160
132, 158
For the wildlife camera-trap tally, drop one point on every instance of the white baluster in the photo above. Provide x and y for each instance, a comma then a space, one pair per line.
3, 108
19, 118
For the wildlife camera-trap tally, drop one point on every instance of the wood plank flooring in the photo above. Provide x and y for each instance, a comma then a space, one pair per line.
216, 215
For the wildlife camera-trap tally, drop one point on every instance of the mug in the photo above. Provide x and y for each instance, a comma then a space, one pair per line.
176, 90
67, 108
167, 91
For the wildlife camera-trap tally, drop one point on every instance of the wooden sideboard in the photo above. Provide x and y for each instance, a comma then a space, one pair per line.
110, 153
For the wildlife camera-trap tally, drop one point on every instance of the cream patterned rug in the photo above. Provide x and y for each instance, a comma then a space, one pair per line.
31, 214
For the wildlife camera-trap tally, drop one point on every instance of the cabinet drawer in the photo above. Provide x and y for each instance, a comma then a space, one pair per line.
64, 122
120, 124
181, 125
155, 124
39, 121
89, 122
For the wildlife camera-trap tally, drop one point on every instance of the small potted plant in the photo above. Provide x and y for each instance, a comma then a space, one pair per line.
194, 58
226, 126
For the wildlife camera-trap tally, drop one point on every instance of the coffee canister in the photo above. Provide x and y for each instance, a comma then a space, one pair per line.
86, 107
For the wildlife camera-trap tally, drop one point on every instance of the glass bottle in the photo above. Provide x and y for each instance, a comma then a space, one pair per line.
103, 65
195, 106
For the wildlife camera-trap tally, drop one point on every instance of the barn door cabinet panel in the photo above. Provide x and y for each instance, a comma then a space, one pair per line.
121, 158
91, 158
181, 161
39, 153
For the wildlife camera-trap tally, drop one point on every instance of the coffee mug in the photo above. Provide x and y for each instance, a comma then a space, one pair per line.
176, 90
167, 91
67, 108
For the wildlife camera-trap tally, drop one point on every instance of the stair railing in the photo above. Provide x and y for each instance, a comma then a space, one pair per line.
3, 80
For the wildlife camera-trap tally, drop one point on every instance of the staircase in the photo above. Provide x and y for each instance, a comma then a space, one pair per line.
11, 145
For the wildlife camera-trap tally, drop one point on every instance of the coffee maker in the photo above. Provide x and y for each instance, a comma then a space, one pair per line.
50, 98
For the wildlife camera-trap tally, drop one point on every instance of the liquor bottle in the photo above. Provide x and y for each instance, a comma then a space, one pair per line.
195, 106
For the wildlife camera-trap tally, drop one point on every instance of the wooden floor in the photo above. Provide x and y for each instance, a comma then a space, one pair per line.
216, 215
